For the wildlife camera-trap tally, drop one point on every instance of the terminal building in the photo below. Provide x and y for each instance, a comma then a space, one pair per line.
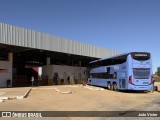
27, 53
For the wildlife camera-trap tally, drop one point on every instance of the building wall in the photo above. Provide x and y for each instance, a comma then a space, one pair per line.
51, 69
48, 70
5, 72
70, 70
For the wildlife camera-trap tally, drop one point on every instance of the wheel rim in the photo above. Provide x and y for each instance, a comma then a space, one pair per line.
109, 86
115, 87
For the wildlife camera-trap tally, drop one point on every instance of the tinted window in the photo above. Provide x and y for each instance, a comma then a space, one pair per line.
115, 60
141, 73
111, 61
104, 75
140, 56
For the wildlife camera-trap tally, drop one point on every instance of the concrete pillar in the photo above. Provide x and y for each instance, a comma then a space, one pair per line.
10, 57
79, 63
49, 68
48, 60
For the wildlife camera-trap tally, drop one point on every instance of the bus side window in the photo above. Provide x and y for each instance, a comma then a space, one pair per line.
115, 75
108, 70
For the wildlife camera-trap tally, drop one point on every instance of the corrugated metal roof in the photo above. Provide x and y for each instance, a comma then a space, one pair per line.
17, 36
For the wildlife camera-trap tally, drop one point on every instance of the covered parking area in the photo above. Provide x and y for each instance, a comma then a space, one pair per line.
23, 53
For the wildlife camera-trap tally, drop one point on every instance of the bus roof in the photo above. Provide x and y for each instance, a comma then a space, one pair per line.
114, 56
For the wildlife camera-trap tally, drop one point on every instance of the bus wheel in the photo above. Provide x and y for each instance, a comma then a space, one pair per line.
90, 83
114, 86
109, 86
155, 88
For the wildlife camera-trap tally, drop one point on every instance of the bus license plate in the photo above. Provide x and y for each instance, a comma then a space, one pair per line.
145, 83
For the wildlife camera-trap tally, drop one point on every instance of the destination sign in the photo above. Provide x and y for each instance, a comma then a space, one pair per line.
140, 55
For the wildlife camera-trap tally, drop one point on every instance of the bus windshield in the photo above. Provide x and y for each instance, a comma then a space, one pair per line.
141, 73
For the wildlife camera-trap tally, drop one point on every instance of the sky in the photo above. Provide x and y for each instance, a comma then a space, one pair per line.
122, 25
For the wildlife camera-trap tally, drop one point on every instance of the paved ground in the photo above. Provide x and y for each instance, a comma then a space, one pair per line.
13, 93
84, 99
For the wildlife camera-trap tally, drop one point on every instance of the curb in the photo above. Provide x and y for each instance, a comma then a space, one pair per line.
91, 88
86, 86
66, 92
2, 99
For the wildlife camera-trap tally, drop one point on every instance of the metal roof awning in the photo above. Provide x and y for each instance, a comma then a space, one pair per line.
29, 39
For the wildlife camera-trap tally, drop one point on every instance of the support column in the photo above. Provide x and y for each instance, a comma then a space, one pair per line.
10, 69
79, 64
80, 72
49, 69
48, 60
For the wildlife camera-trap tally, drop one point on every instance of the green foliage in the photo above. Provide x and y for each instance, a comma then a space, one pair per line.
158, 71
157, 79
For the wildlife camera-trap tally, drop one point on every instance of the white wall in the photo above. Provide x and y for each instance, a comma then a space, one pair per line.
69, 70
51, 69
4, 76
40, 71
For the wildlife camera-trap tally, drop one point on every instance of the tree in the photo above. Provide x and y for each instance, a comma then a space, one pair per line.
158, 71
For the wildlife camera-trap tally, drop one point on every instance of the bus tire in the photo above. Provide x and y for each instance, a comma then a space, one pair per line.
115, 86
90, 82
112, 86
109, 86
155, 88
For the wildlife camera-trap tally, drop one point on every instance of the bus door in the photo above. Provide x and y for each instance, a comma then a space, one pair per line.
122, 79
